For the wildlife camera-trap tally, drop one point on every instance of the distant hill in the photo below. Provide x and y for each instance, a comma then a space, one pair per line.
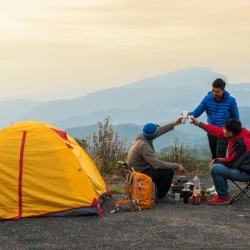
199, 77
157, 99
187, 133
10, 110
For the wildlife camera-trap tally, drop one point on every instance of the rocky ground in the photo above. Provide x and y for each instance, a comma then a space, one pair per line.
178, 226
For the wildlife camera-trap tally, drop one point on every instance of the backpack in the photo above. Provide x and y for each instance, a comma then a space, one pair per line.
139, 189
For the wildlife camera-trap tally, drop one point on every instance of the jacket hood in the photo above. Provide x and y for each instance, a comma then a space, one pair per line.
244, 133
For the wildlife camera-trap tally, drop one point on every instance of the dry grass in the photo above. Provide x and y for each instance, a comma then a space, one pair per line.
116, 189
105, 148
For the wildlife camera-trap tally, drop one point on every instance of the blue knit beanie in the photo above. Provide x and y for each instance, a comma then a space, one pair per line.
150, 131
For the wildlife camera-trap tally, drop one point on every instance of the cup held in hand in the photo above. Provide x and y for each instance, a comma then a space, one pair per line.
190, 118
184, 116
183, 119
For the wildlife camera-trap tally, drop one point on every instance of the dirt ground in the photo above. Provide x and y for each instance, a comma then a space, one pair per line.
177, 226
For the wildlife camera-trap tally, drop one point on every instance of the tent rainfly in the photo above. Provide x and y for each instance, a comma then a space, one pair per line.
44, 172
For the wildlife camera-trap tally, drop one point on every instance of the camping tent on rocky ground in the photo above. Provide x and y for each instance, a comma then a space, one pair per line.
44, 172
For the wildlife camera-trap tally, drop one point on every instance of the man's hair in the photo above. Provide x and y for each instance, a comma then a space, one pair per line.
219, 83
233, 125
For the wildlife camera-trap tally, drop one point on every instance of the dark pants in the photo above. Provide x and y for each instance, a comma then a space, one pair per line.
162, 179
218, 146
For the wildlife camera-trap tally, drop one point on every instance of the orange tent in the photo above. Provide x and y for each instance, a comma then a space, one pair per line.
44, 172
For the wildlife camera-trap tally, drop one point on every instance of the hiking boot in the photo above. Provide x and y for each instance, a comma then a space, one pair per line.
217, 200
165, 199
210, 190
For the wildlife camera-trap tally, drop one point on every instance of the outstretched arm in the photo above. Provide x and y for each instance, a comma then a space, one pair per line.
211, 129
200, 109
166, 128
177, 122
195, 121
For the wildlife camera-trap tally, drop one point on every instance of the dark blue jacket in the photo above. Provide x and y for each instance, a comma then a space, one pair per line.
217, 111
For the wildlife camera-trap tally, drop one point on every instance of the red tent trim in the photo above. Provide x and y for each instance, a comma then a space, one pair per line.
20, 177
61, 133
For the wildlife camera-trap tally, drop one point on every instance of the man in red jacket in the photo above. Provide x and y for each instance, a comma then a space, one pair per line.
236, 165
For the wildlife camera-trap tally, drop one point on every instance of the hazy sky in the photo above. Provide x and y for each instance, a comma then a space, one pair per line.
95, 44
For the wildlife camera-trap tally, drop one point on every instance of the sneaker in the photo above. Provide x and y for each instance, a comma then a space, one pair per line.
210, 190
216, 196
165, 199
217, 200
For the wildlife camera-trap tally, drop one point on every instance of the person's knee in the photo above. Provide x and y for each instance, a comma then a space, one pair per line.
217, 169
171, 172
167, 174
213, 169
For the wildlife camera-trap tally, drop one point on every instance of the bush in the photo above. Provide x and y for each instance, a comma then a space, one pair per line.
184, 156
82, 143
106, 148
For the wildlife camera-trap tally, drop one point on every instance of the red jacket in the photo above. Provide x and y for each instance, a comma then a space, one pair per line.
238, 148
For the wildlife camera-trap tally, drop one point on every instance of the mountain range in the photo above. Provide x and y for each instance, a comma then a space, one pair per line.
157, 99
186, 134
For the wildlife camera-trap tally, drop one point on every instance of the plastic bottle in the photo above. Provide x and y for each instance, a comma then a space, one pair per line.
197, 185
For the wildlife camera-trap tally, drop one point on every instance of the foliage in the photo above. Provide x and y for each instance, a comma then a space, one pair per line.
185, 157
83, 143
188, 134
197, 152
177, 153
105, 147
116, 189
201, 153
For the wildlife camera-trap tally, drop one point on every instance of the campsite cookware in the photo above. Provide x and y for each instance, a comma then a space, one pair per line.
195, 199
186, 196
182, 179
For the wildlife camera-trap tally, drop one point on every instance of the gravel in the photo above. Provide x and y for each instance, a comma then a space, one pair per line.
176, 226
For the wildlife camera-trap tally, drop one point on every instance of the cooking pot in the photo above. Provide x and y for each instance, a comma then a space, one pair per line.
182, 179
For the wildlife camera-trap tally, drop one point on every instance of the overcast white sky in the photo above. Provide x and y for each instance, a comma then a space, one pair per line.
95, 44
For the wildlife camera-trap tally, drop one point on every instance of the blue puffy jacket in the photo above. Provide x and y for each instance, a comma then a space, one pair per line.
217, 111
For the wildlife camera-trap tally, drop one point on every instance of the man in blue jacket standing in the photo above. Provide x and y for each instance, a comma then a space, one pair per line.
219, 106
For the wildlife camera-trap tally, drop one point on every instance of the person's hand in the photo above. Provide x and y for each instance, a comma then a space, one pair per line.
210, 164
180, 169
195, 121
178, 121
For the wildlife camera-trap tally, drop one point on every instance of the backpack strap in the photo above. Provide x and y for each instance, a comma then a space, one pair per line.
145, 168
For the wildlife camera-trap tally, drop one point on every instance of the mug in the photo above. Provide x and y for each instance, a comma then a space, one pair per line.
195, 199
184, 116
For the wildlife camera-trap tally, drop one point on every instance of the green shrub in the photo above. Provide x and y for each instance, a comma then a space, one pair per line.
106, 148
184, 156
83, 143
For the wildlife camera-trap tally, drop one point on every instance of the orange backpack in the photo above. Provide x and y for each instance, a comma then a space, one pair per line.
139, 189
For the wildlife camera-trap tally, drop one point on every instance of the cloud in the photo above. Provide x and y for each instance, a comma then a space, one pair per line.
121, 21
111, 42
